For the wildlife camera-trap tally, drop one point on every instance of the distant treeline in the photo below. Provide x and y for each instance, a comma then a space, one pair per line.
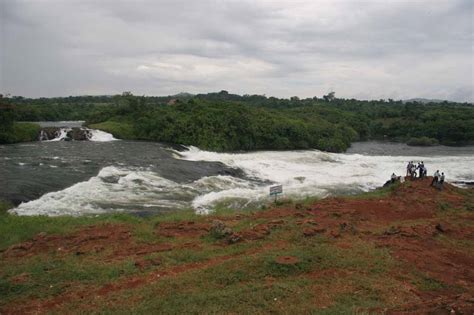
229, 122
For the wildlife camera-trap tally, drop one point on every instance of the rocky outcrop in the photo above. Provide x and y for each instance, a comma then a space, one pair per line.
66, 134
49, 133
79, 134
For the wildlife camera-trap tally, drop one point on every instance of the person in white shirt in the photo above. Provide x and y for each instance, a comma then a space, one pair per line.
435, 178
441, 181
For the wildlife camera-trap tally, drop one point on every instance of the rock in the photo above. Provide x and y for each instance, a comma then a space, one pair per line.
311, 231
219, 229
392, 231
78, 134
234, 238
440, 228
49, 133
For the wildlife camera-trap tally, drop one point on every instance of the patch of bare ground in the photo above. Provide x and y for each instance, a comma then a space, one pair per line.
431, 276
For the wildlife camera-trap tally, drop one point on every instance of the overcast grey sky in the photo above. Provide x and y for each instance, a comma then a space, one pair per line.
360, 49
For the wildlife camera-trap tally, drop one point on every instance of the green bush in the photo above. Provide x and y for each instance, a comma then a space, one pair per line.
20, 132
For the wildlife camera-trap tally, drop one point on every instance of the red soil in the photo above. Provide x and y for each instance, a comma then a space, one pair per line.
407, 223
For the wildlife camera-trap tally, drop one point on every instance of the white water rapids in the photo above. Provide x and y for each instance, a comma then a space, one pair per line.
302, 174
93, 135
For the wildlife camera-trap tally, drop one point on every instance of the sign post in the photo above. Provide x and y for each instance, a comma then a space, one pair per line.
275, 190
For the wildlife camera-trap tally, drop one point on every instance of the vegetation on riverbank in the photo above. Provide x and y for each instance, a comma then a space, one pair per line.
402, 248
228, 122
19, 132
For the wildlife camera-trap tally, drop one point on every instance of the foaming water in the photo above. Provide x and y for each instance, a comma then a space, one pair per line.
316, 173
66, 126
92, 135
138, 190
159, 179
100, 136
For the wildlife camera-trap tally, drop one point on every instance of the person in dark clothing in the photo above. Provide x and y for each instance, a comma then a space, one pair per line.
393, 178
413, 171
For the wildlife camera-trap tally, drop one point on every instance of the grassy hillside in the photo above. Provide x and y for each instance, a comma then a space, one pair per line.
404, 248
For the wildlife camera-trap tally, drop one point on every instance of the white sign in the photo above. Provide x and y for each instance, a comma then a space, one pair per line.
275, 190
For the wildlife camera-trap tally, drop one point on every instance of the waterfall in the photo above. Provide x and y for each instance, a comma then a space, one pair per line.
75, 133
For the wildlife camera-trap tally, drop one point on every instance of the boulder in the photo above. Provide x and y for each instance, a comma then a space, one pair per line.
49, 133
78, 134
219, 229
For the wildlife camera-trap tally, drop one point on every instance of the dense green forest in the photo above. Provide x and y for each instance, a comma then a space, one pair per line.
229, 122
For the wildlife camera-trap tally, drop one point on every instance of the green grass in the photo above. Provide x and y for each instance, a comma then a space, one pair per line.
48, 275
15, 229
255, 283
211, 277
425, 283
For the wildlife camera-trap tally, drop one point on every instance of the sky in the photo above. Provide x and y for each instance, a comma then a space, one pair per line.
364, 49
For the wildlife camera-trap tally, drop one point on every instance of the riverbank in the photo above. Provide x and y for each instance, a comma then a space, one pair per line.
20, 132
403, 248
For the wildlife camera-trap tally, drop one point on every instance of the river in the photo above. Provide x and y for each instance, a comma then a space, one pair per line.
108, 175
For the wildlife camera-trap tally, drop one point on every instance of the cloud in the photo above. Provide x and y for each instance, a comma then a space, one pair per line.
370, 49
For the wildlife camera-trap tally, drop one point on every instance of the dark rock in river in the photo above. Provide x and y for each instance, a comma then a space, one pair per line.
230, 171
49, 133
178, 147
77, 134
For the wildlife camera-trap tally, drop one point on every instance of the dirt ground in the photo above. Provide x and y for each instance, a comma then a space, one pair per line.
426, 231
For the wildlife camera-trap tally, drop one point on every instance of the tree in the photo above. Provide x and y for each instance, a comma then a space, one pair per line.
330, 96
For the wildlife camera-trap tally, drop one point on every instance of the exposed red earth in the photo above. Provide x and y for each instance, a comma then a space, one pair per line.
423, 229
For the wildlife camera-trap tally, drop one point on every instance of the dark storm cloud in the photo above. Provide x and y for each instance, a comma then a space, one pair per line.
370, 49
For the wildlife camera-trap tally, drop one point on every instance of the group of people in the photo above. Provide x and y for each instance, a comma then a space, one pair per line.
438, 180
413, 167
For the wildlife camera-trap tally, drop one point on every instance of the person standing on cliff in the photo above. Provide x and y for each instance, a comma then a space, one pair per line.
421, 170
441, 181
435, 178
393, 178
409, 168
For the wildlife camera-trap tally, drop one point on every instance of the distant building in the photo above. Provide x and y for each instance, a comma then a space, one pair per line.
172, 101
